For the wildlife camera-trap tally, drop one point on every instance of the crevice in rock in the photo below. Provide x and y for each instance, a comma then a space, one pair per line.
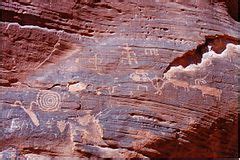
232, 8
217, 43
147, 117
38, 151
27, 19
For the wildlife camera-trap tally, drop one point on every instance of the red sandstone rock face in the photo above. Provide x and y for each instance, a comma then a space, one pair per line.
118, 79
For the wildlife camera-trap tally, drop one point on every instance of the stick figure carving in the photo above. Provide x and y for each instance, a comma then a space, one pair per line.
95, 61
129, 55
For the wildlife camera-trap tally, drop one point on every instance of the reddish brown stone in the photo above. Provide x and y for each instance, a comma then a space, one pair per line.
118, 79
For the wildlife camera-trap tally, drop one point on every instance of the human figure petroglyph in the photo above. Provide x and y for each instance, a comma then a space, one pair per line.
129, 55
157, 85
95, 61
151, 51
29, 111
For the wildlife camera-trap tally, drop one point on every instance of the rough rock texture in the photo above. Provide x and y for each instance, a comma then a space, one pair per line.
118, 79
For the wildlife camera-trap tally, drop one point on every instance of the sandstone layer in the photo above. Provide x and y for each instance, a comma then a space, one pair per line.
118, 79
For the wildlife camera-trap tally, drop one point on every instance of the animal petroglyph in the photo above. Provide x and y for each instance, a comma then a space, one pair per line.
109, 89
229, 53
152, 52
29, 111
200, 81
95, 61
175, 82
48, 101
208, 91
129, 55
178, 83
140, 76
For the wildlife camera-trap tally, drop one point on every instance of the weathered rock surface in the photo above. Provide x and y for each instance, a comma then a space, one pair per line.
118, 79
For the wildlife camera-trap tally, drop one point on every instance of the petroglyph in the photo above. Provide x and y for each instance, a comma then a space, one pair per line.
95, 61
208, 91
61, 125
48, 101
77, 87
178, 83
142, 86
29, 111
131, 93
201, 81
175, 82
128, 55
229, 53
140, 76
151, 52
157, 86
91, 130
49, 124
15, 125
169, 77
109, 89
57, 44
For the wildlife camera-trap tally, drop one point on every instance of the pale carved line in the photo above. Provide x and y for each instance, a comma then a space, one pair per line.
200, 81
48, 101
127, 53
142, 86
57, 44
95, 61
151, 52
29, 111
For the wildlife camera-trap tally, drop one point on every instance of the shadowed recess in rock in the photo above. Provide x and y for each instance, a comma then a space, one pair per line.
216, 43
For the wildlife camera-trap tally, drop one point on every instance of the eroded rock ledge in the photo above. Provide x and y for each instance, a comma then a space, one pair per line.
115, 79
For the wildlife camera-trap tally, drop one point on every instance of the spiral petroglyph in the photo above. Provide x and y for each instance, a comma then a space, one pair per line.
48, 101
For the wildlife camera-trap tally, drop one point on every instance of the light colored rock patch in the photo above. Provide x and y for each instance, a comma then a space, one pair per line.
77, 87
